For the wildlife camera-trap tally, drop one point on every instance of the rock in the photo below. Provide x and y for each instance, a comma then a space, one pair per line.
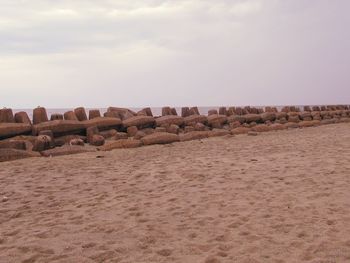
120, 144
305, 124
121, 135
80, 113
291, 125
108, 133
240, 130
193, 119
103, 123
148, 111
325, 115
199, 127
174, 112
252, 124
185, 112
268, 109
194, 135
268, 116
14, 154
173, 128
235, 118
94, 114
56, 116
252, 133
160, 138
316, 122
239, 111
168, 120
327, 121
123, 113
90, 132
140, 122
307, 108
281, 115
316, 108
316, 115
217, 120
261, 128
47, 133
148, 131
160, 129
13, 144
286, 109
231, 111
67, 150
234, 125
188, 129
166, 111
139, 135
218, 132
111, 114
253, 118
60, 141
22, 117
76, 142
277, 127
212, 112
293, 117
42, 143
60, 127
345, 119
132, 130
141, 113
97, 140
6, 116
70, 116
8, 130
39, 115
223, 111
305, 115
194, 111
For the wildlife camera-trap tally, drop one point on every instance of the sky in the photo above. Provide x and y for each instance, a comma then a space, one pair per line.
135, 53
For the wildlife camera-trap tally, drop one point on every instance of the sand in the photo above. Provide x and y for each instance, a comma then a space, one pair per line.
277, 197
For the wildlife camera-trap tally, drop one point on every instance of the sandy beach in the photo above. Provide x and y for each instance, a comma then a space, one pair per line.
277, 197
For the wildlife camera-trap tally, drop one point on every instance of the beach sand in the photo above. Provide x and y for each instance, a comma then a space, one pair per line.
277, 197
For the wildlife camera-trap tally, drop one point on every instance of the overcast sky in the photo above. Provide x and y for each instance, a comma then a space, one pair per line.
67, 53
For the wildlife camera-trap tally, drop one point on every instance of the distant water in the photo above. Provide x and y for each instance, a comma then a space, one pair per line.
157, 111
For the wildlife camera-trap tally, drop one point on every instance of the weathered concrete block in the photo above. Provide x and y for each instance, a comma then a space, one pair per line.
121, 144
22, 117
160, 138
94, 114
70, 116
80, 113
168, 120
39, 115
56, 116
14, 154
8, 130
140, 122
6, 116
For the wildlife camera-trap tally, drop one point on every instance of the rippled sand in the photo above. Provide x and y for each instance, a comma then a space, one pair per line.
277, 197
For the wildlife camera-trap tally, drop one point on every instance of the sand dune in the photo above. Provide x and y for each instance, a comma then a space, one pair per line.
276, 197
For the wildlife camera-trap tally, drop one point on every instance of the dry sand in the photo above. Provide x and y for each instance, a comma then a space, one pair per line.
277, 197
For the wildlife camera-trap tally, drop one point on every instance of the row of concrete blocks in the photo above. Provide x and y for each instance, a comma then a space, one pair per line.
79, 114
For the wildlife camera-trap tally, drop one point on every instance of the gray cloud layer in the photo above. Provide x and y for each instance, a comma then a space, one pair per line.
194, 52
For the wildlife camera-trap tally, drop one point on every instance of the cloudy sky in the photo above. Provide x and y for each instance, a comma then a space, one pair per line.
67, 53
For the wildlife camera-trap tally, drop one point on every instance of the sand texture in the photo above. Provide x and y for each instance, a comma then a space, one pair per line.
277, 197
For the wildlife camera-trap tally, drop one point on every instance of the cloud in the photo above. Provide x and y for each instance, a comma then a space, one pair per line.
154, 52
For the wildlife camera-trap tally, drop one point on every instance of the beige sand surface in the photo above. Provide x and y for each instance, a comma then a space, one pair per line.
277, 197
